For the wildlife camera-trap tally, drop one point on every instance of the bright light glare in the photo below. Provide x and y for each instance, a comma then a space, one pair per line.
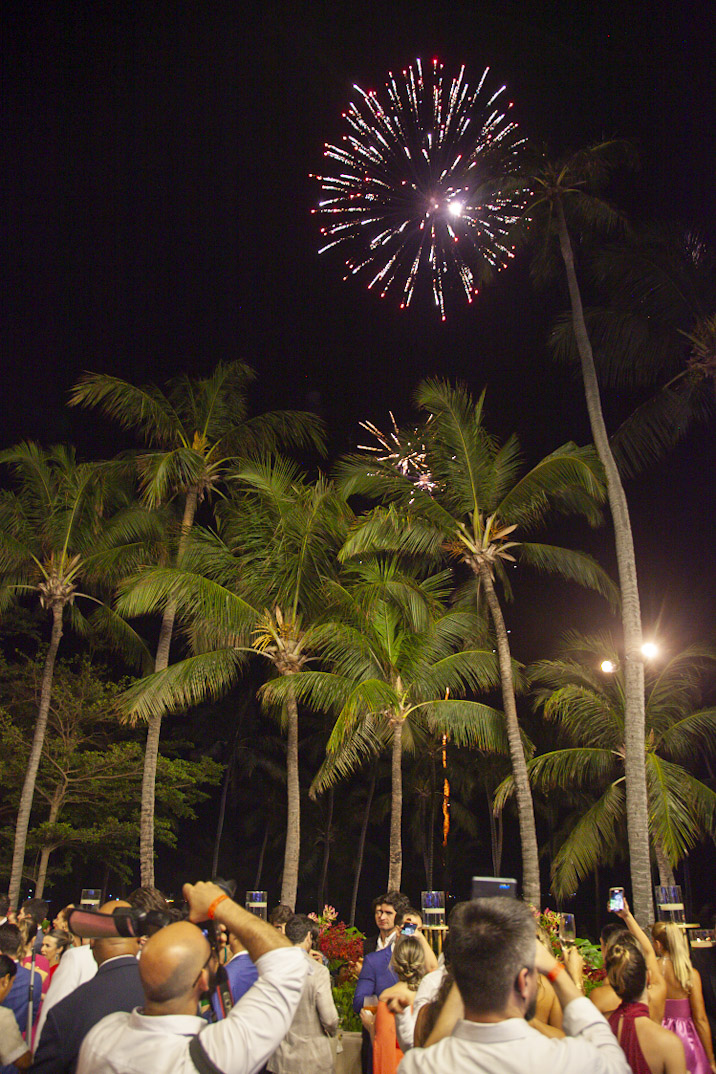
649, 650
608, 666
455, 208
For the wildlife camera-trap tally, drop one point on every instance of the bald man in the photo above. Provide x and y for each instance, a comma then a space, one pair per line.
115, 987
166, 1036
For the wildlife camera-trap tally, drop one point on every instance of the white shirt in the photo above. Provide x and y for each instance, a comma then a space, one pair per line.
240, 1044
514, 1047
426, 993
12, 1046
76, 966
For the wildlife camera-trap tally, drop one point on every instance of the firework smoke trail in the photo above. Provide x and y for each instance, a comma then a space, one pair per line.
411, 196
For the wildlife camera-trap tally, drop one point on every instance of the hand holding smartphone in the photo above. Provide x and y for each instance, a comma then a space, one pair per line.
567, 928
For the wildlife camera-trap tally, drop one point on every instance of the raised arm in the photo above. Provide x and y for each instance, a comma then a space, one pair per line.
657, 984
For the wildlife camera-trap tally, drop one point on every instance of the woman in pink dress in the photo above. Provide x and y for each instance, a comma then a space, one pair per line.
685, 1013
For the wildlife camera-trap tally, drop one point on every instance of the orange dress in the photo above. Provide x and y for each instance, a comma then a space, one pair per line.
386, 1053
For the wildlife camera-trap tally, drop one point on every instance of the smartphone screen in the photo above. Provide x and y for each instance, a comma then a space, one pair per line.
408, 928
616, 899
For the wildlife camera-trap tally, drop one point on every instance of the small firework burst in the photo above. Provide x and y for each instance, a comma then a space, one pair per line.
414, 194
408, 455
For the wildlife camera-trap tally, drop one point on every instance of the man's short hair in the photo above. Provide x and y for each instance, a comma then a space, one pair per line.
10, 940
491, 940
147, 898
280, 914
297, 928
7, 966
36, 909
610, 930
4, 905
396, 899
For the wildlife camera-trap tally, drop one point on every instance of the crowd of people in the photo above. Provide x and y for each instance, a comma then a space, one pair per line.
217, 989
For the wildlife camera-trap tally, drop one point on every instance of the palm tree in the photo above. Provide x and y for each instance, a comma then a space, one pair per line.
256, 586
562, 190
655, 328
469, 502
68, 523
589, 708
193, 431
395, 652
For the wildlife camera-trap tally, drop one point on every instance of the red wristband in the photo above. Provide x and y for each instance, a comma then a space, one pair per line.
212, 909
555, 972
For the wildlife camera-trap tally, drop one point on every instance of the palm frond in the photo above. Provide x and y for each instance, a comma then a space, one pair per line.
593, 841
181, 685
572, 565
145, 409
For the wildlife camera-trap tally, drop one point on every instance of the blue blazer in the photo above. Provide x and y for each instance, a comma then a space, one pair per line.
375, 976
116, 987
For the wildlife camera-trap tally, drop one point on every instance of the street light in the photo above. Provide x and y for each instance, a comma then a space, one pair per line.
649, 650
608, 667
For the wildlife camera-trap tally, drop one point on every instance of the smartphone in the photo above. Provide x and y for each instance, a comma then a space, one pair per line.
409, 928
567, 928
616, 899
486, 887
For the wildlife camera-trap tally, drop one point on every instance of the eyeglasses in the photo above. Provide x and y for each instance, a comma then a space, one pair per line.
204, 967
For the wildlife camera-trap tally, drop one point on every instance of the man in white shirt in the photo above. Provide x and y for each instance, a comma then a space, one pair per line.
495, 961
167, 1036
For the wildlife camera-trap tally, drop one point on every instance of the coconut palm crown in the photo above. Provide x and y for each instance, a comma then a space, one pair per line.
66, 527
472, 502
588, 705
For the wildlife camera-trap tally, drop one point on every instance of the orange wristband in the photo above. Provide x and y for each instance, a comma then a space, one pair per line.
555, 972
212, 909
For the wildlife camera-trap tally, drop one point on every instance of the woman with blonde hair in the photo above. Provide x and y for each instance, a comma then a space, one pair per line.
649, 1048
408, 963
685, 1013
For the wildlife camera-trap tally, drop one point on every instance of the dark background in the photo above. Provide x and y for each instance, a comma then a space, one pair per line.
157, 219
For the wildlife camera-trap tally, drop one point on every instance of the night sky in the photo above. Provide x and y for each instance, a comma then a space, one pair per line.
157, 220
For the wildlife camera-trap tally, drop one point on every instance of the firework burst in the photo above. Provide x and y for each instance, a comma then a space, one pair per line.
414, 191
407, 454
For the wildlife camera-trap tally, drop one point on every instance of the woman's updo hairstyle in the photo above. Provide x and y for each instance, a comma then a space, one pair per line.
626, 968
408, 961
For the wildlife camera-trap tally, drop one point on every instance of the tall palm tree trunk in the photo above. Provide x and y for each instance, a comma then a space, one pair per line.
55, 806
289, 883
220, 821
326, 851
523, 792
395, 854
33, 763
666, 873
154, 723
262, 853
634, 718
495, 836
361, 841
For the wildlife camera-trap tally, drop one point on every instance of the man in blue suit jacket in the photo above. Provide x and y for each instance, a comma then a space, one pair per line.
116, 987
18, 997
375, 976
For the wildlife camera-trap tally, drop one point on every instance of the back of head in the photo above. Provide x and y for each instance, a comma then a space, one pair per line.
626, 968
280, 914
147, 898
36, 909
4, 905
298, 928
113, 946
7, 966
611, 930
674, 942
10, 940
491, 940
171, 963
408, 961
